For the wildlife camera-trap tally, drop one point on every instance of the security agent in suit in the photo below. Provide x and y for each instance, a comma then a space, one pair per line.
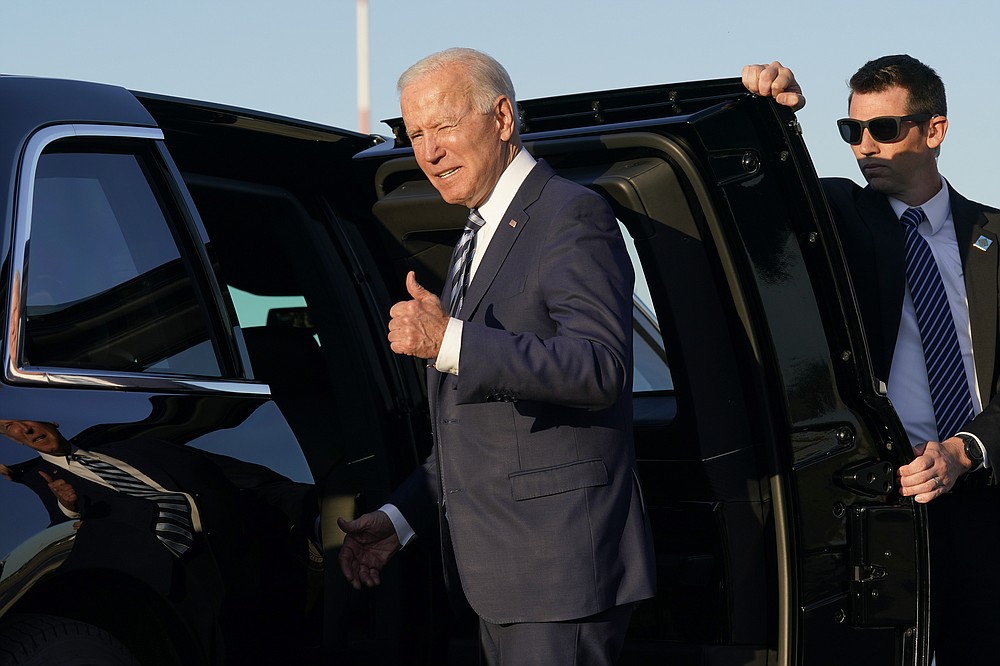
532, 474
899, 161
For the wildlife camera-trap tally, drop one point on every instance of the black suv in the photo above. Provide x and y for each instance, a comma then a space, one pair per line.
217, 280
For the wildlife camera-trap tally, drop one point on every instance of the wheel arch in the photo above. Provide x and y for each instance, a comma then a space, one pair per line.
121, 605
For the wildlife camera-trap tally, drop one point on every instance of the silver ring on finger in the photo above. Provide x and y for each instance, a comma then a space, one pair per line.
937, 482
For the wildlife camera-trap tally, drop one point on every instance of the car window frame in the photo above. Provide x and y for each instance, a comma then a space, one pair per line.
14, 372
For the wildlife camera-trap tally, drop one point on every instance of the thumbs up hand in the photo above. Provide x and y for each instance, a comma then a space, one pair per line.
416, 327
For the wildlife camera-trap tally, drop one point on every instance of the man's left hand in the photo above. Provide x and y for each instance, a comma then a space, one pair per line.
417, 327
935, 469
370, 541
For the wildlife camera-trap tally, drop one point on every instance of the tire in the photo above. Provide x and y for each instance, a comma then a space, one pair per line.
47, 640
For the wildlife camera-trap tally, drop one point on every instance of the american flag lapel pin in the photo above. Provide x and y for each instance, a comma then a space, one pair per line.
983, 243
512, 223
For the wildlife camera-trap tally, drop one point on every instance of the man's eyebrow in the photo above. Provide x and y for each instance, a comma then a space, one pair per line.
438, 122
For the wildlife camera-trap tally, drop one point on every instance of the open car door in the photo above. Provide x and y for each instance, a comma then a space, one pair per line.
767, 448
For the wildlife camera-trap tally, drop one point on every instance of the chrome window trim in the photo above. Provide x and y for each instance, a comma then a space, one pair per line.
22, 233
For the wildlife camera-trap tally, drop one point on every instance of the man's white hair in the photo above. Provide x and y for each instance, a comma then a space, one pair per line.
489, 80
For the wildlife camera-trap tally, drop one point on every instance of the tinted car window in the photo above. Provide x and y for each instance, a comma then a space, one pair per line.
106, 284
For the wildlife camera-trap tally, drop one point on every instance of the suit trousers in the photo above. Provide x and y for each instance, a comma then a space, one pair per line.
964, 530
596, 640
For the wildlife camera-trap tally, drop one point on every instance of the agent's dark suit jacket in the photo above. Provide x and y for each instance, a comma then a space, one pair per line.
533, 457
873, 242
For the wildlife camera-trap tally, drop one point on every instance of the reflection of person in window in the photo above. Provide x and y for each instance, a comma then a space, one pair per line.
52, 475
60, 469
211, 581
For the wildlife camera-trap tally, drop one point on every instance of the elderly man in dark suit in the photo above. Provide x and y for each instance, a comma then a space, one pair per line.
911, 240
532, 473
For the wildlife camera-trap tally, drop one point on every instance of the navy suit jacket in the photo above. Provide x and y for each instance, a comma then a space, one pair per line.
872, 238
533, 462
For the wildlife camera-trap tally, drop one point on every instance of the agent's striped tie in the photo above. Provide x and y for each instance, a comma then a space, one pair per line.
946, 376
461, 260
173, 521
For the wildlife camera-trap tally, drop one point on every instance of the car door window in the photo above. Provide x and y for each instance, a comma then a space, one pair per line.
650, 372
106, 284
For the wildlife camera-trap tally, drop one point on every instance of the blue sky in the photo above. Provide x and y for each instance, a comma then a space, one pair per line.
297, 57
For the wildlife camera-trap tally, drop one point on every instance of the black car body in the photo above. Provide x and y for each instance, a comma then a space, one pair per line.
219, 278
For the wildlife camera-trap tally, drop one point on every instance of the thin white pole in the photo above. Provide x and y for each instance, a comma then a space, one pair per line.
364, 100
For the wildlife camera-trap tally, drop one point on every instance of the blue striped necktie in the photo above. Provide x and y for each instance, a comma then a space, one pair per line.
461, 260
173, 527
949, 385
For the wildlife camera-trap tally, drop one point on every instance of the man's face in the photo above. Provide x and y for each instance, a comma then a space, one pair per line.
899, 168
38, 435
462, 151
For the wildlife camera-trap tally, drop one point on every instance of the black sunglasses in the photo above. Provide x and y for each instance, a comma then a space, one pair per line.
884, 129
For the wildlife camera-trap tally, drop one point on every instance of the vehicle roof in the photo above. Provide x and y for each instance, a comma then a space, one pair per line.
178, 109
32, 102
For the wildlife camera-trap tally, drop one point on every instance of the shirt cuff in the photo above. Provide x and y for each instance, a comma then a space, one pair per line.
403, 530
982, 447
451, 348
69, 514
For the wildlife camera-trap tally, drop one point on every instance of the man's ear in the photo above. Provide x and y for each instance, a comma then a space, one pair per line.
506, 118
937, 127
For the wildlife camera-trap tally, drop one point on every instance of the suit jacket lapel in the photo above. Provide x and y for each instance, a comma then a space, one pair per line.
511, 225
980, 267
